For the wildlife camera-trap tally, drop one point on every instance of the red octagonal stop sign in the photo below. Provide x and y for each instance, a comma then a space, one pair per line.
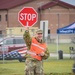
27, 16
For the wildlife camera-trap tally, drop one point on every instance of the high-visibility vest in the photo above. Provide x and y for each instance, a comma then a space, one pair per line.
37, 48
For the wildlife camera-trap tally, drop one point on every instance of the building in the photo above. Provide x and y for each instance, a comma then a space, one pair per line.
58, 13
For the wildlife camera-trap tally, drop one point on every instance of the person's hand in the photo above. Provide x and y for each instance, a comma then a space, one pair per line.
42, 54
27, 28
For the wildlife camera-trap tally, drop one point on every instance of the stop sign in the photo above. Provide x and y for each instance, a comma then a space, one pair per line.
27, 16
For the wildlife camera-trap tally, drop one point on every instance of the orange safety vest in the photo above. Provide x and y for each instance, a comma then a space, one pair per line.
37, 48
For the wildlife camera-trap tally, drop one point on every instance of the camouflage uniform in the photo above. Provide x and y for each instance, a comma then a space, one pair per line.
33, 66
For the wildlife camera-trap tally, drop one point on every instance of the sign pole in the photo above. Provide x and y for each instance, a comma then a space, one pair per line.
44, 27
3, 53
44, 31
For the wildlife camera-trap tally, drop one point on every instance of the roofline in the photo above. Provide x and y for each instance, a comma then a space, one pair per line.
7, 8
20, 4
56, 2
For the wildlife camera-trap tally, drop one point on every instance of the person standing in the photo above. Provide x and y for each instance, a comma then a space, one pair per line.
39, 52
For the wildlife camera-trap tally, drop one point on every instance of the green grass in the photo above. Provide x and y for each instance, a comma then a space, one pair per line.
58, 66
12, 68
51, 66
63, 47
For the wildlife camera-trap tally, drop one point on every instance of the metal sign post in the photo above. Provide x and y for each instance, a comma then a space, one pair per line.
44, 27
44, 31
3, 52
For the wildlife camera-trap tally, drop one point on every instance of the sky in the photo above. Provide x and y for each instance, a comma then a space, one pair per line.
69, 1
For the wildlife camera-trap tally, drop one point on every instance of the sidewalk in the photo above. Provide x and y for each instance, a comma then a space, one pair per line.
55, 55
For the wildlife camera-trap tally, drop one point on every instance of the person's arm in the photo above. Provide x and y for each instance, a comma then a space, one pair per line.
27, 38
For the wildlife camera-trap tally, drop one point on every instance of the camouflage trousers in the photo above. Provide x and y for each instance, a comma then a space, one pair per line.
33, 67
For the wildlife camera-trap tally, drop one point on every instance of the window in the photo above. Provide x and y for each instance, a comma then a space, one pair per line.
8, 41
0, 33
48, 31
6, 17
19, 41
0, 17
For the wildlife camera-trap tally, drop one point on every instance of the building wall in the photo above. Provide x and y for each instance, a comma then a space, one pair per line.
3, 22
19, 31
72, 15
57, 16
13, 13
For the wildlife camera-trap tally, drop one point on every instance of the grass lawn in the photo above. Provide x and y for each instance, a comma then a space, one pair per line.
64, 47
50, 66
